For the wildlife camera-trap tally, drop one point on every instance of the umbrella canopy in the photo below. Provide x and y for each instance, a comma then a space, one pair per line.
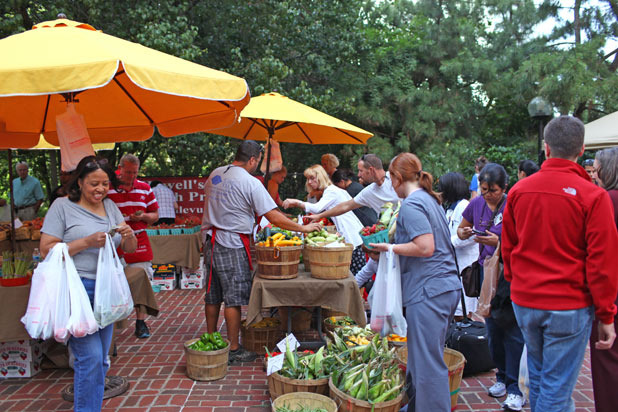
123, 89
45, 145
602, 132
285, 120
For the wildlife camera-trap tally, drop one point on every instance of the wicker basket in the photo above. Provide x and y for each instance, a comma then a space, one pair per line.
206, 366
455, 361
349, 404
301, 320
331, 262
35, 234
255, 339
22, 233
278, 262
307, 258
280, 385
329, 327
304, 399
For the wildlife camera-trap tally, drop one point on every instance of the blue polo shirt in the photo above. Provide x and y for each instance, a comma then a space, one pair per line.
27, 192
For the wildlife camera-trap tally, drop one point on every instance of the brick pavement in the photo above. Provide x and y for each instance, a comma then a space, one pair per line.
155, 368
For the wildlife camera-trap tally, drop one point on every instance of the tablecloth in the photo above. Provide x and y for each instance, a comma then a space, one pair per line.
340, 295
181, 250
15, 301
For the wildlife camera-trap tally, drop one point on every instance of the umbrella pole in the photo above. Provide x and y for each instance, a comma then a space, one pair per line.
267, 175
11, 203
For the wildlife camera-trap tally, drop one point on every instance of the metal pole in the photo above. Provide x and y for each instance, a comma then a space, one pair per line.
12, 204
267, 175
538, 150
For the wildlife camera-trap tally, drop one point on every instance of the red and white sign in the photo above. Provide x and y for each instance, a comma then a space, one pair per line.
189, 192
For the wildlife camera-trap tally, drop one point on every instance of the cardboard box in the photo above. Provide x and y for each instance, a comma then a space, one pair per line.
193, 283
13, 368
164, 271
168, 283
23, 350
192, 274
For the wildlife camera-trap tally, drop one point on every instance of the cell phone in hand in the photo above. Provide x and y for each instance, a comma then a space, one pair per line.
478, 232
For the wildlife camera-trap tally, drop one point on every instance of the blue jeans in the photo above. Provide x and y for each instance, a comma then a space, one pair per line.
505, 346
90, 364
556, 342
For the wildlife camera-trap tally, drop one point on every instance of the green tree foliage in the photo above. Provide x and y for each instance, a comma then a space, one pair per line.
449, 80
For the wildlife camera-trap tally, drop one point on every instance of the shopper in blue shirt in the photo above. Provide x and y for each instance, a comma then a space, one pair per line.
27, 193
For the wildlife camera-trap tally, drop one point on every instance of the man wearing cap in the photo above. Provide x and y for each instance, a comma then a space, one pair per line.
27, 193
380, 189
139, 207
233, 197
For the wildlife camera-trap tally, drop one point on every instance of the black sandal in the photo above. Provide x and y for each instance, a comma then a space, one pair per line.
114, 386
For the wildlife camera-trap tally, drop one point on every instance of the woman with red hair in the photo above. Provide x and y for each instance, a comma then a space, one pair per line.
429, 282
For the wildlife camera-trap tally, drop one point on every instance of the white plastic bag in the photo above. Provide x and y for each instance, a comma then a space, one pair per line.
81, 320
386, 306
112, 296
73, 137
62, 303
524, 378
39, 317
276, 161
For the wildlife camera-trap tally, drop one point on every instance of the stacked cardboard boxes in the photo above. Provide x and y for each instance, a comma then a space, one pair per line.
165, 276
21, 359
192, 278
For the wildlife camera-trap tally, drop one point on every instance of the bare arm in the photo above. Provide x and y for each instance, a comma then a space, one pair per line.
420, 246
338, 210
464, 231
280, 220
95, 240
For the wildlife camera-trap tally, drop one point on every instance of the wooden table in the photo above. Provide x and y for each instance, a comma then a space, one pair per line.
15, 301
181, 250
341, 295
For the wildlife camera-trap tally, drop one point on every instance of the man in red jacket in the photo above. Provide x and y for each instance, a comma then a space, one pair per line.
559, 246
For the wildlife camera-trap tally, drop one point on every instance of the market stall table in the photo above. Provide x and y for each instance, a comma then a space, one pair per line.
341, 295
15, 301
21, 245
181, 250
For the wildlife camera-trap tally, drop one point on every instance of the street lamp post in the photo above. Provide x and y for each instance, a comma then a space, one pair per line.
540, 109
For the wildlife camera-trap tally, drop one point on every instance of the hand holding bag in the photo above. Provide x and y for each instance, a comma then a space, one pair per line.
112, 296
492, 269
387, 304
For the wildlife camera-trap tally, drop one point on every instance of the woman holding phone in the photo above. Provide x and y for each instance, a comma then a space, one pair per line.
483, 220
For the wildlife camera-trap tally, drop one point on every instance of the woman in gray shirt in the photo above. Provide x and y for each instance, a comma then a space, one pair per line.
81, 220
429, 282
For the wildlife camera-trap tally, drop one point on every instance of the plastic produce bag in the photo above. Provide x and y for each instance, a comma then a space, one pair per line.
73, 137
81, 319
386, 306
524, 378
39, 317
112, 296
492, 269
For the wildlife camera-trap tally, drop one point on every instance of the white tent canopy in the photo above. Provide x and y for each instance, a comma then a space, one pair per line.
602, 132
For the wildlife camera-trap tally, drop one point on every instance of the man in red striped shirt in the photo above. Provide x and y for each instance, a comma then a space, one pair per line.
139, 207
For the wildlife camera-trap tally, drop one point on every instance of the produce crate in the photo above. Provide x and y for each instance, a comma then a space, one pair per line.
330, 262
379, 237
206, 366
256, 338
152, 232
176, 231
278, 262
22, 233
35, 234
4, 234
164, 232
350, 404
280, 385
297, 400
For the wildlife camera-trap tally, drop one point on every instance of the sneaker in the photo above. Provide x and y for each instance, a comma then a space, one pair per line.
514, 402
141, 330
497, 390
241, 355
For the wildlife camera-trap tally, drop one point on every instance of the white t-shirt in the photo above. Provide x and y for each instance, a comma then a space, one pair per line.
374, 196
232, 199
347, 224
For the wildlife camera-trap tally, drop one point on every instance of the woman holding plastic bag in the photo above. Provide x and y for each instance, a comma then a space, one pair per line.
430, 286
82, 221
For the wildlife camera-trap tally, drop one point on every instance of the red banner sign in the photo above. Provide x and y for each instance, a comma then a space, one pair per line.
189, 192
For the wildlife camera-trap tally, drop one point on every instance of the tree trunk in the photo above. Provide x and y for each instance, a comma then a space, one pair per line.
576, 23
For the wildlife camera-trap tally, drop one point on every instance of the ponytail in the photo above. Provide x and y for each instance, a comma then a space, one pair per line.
408, 167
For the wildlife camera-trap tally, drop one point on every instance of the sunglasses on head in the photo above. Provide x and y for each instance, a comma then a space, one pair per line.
589, 162
96, 164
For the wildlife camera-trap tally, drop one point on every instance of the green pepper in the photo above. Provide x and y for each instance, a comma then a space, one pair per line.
205, 337
221, 344
208, 347
217, 335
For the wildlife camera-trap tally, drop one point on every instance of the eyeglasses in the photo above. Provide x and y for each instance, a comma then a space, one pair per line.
589, 162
